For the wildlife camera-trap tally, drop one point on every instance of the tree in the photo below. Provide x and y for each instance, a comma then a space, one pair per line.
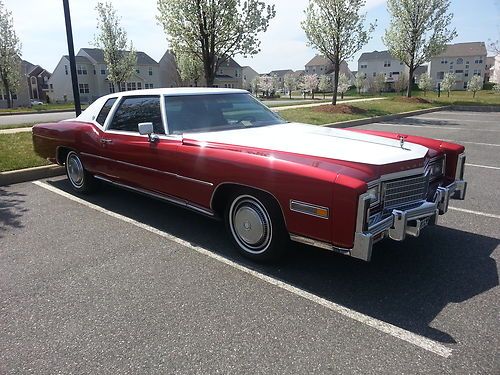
112, 38
419, 29
344, 84
10, 52
291, 82
212, 31
401, 84
268, 84
474, 85
448, 82
336, 29
190, 70
255, 85
496, 88
425, 83
325, 84
360, 82
311, 83
378, 83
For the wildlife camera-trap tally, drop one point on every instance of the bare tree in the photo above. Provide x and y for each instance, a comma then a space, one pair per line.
212, 31
419, 29
10, 52
336, 29
112, 38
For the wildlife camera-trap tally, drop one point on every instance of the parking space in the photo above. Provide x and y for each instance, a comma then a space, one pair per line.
117, 282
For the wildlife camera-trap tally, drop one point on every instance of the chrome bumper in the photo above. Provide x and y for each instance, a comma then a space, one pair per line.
401, 223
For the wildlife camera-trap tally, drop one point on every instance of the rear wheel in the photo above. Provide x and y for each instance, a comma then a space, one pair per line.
256, 226
81, 181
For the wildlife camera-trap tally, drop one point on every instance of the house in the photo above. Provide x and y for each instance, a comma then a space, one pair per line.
248, 75
229, 75
280, 76
464, 59
381, 62
169, 72
92, 76
495, 70
37, 80
490, 63
321, 65
21, 97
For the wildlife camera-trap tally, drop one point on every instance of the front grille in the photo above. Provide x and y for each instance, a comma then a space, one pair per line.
405, 191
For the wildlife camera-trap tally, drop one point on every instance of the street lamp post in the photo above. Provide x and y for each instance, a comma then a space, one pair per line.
72, 62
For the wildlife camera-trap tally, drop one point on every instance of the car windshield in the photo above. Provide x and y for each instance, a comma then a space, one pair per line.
216, 112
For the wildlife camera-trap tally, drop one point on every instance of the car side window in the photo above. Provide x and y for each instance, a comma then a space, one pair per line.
136, 109
101, 117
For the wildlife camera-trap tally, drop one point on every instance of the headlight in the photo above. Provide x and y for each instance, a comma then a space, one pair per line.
436, 168
374, 190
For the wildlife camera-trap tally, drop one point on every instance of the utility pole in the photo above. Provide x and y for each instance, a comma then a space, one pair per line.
72, 62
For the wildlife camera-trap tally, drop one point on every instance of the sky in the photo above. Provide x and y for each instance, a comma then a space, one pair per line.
284, 46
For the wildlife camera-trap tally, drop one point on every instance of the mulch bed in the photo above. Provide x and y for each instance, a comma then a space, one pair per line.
412, 100
340, 108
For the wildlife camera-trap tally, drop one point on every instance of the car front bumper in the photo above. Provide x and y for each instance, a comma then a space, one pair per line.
401, 223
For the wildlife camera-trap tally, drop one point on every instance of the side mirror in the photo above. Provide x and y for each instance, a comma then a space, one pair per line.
146, 128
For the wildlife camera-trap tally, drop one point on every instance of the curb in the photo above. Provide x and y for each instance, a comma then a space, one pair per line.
36, 112
476, 108
29, 174
371, 120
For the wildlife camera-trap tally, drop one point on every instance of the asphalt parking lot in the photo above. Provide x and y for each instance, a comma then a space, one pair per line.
120, 283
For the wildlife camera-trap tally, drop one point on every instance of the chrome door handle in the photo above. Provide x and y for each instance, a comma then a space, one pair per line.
106, 141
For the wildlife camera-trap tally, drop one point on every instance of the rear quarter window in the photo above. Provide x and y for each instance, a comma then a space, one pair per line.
106, 108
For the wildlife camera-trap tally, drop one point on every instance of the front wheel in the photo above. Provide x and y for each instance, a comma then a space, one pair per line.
256, 226
81, 181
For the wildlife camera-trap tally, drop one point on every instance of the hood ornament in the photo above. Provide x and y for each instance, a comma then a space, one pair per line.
402, 139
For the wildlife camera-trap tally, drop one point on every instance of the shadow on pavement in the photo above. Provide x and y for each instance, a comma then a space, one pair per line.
406, 284
426, 122
10, 210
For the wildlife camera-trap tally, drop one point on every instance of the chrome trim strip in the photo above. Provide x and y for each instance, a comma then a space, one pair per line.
149, 169
309, 205
319, 244
168, 199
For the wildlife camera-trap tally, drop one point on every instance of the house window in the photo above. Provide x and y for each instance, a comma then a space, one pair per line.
236, 73
66, 69
387, 63
95, 72
150, 71
440, 75
111, 88
148, 85
84, 88
459, 71
139, 85
137, 71
478, 60
33, 80
466, 74
477, 72
443, 61
465, 85
81, 69
460, 61
103, 71
374, 74
363, 66
51, 86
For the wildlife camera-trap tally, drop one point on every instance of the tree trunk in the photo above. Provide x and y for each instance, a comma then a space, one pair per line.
336, 65
6, 88
473, 94
342, 95
448, 93
290, 92
312, 94
410, 80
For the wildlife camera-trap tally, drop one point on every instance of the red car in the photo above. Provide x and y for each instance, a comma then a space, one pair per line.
222, 153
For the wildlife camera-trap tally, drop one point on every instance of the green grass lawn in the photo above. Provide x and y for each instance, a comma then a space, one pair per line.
374, 108
16, 152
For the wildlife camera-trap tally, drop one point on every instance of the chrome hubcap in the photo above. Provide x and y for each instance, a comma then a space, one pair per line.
250, 224
75, 170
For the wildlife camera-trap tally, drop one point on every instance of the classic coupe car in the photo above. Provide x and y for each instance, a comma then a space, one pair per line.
224, 154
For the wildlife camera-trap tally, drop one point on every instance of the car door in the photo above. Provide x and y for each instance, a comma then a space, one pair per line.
136, 160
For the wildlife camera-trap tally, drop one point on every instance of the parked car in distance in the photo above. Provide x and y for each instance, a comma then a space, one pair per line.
36, 102
224, 154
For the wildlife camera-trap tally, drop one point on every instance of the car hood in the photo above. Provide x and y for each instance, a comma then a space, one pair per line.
311, 140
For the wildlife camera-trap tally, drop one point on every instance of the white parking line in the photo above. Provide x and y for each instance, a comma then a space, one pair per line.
443, 127
445, 119
472, 143
481, 166
410, 337
475, 212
